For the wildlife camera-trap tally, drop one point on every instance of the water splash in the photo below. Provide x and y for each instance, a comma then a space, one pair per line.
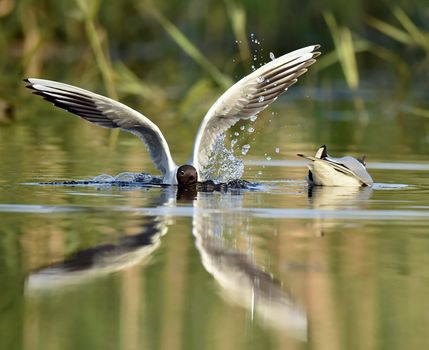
126, 177
257, 51
104, 178
134, 177
223, 165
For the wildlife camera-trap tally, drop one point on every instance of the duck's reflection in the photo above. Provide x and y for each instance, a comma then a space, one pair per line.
103, 259
242, 281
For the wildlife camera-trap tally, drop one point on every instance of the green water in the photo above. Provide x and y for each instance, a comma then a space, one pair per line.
267, 269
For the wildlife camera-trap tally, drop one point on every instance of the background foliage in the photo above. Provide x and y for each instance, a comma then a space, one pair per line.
160, 50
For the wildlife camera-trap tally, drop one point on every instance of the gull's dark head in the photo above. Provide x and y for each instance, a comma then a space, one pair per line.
186, 175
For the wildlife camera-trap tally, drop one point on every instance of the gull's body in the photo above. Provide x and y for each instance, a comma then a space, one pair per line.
246, 98
325, 170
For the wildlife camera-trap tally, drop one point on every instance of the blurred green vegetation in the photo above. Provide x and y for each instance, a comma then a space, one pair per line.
157, 51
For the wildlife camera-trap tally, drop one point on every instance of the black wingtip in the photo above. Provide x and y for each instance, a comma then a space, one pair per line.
29, 84
324, 152
362, 160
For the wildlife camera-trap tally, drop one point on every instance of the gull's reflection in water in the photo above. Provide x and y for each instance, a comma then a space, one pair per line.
336, 200
243, 282
104, 259
325, 197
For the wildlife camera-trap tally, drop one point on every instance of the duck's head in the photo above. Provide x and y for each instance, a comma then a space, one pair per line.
186, 175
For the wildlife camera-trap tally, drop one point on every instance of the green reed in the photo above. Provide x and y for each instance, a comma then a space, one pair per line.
184, 43
344, 49
75, 41
98, 38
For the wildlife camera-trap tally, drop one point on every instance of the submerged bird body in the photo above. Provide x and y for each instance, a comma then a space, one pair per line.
244, 99
325, 170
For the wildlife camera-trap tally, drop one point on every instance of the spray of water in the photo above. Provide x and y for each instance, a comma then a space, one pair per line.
223, 165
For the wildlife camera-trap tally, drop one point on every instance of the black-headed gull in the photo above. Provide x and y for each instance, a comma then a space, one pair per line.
325, 170
244, 99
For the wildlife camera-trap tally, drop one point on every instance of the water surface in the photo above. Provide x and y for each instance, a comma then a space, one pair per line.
108, 267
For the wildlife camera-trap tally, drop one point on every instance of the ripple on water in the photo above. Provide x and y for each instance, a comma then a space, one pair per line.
383, 186
125, 179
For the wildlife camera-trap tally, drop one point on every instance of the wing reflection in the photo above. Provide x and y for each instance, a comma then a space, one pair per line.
106, 258
242, 281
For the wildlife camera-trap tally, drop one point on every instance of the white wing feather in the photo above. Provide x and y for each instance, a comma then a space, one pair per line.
248, 97
103, 111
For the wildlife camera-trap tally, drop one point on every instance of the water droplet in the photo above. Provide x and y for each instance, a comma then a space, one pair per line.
268, 158
250, 130
277, 150
259, 172
272, 57
242, 127
261, 99
245, 149
253, 68
233, 142
236, 133
253, 118
260, 79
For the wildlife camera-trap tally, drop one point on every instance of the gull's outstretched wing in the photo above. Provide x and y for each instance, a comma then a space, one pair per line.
103, 111
248, 97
